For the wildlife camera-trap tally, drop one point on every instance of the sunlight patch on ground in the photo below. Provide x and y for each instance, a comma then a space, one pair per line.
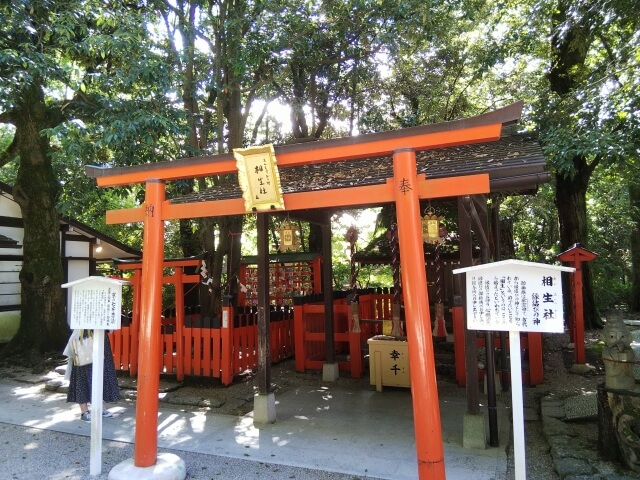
246, 434
198, 422
280, 442
28, 392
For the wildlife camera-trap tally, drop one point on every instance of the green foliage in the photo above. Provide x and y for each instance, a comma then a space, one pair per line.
535, 224
610, 236
130, 85
536, 233
368, 227
6, 137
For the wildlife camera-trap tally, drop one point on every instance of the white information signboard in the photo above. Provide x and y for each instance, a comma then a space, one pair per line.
515, 296
96, 304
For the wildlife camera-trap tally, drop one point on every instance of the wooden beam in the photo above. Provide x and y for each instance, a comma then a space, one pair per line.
125, 215
339, 197
146, 434
318, 152
264, 309
327, 292
471, 348
453, 186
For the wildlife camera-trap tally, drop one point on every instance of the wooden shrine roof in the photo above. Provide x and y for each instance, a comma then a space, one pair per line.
485, 145
515, 164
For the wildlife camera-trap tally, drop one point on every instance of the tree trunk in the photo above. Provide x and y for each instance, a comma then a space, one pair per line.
634, 198
43, 325
569, 46
572, 215
315, 237
507, 245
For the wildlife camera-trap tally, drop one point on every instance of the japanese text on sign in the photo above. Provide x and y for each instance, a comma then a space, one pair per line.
395, 355
96, 308
515, 297
259, 178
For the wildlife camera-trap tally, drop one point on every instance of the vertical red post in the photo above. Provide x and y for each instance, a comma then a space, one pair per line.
458, 344
299, 332
572, 314
426, 409
575, 256
146, 435
534, 347
179, 292
226, 339
578, 324
135, 322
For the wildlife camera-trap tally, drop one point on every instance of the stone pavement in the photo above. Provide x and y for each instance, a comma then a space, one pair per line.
573, 455
353, 432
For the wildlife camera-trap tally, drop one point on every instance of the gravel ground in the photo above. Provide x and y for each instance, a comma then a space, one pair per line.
59, 456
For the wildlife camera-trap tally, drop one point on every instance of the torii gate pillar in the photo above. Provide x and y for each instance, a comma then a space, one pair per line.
424, 389
146, 462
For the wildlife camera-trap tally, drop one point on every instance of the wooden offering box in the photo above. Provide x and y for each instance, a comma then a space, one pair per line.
389, 362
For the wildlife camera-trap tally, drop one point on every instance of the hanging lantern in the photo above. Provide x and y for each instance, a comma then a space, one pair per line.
432, 230
289, 240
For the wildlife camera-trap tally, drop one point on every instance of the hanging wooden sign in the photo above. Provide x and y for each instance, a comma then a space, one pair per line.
289, 240
259, 178
431, 227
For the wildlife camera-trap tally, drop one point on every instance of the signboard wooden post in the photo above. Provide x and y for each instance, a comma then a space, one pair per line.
96, 304
515, 296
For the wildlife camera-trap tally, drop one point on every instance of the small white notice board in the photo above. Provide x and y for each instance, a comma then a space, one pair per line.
515, 296
96, 304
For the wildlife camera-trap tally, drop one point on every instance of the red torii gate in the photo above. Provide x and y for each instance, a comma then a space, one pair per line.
575, 256
405, 189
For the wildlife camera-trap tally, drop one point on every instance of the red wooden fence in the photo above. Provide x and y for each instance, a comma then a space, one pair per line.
373, 309
531, 343
210, 348
228, 346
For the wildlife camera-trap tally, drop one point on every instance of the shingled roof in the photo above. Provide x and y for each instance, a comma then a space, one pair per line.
515, 163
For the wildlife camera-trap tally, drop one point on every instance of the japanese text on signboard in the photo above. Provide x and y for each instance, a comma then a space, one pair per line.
395, 355
96, 308
259, 178
515, 301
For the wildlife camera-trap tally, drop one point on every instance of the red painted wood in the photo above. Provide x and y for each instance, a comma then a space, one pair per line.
426, 408
534, 353
226, 339
575, 256
146, 432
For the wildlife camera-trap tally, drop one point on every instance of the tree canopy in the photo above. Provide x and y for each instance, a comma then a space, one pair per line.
127, 82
